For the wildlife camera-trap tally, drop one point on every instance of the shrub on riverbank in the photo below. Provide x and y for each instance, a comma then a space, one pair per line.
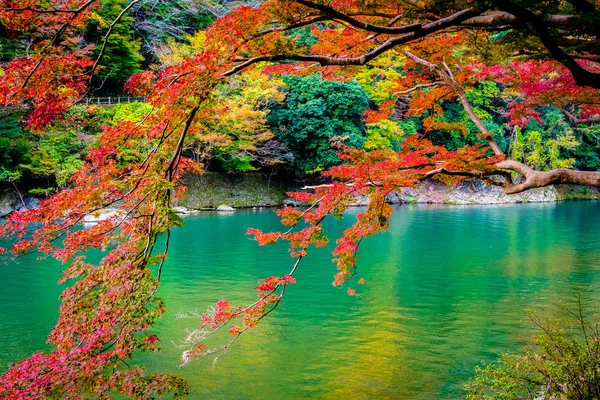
562, 363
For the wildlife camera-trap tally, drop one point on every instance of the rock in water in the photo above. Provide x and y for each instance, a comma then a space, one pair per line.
181, 210
224, 207
102, 215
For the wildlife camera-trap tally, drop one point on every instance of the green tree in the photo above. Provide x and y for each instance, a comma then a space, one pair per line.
316, 113
121, 57
14, 145
546, 144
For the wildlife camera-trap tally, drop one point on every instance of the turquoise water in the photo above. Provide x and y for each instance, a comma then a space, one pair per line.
446, 288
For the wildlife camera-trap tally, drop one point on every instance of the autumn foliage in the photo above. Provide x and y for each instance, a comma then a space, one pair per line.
109, 307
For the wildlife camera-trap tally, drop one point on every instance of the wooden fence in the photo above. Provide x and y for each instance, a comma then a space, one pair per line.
111, 100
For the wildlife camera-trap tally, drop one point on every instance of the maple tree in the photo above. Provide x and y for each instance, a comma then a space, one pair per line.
108, 310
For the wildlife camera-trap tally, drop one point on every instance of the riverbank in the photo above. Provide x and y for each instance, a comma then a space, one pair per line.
211, 190
226, 192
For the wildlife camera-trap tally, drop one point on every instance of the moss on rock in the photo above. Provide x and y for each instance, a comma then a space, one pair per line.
573, 192
213, 189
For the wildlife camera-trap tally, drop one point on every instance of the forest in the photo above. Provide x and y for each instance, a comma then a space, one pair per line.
107, 104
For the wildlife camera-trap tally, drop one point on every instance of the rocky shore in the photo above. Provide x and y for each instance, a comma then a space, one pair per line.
477, 192
259, 190
226, 192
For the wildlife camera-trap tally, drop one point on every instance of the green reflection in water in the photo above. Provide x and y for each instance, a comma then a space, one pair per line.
447, 287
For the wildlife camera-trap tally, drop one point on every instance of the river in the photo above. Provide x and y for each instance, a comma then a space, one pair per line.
446, 288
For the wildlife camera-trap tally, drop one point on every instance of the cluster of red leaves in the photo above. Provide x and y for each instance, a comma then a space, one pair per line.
347, 42
375, 175
224, 313
55, 72
141, 84
239, 319
237, 28
50, 85
538, 84
107, 312
109, 308
36, 18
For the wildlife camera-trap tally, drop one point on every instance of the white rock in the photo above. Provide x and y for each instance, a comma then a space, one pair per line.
102, 215
224, 207
184, 210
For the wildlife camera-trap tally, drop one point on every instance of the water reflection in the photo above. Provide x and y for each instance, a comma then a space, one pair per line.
446, 288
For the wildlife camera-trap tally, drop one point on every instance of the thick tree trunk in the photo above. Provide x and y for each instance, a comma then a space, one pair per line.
534, 179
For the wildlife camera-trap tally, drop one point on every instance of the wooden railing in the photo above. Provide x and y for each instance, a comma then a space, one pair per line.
111, 100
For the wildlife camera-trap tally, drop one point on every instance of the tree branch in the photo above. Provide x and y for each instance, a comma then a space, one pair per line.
577, 120
417, 87
56, 39
44, 11
110, 29
447, 77
425, 30
495, 17
582, 76
535, 179
333, 13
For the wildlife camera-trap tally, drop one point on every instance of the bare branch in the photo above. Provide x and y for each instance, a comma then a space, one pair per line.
496, 17
110, 29
535, 179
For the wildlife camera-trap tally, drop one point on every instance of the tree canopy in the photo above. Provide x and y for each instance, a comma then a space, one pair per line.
315, 112
431, 67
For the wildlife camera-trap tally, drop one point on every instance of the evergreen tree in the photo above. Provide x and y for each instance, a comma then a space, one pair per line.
316, 113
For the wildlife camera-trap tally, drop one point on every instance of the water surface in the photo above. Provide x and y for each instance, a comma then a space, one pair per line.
446, 288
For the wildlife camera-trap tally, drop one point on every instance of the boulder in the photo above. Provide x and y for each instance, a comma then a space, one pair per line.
224, 207
102, 215
7, 204
30, 203
184, 210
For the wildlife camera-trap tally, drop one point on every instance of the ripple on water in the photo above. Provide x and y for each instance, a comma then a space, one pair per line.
447, 287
